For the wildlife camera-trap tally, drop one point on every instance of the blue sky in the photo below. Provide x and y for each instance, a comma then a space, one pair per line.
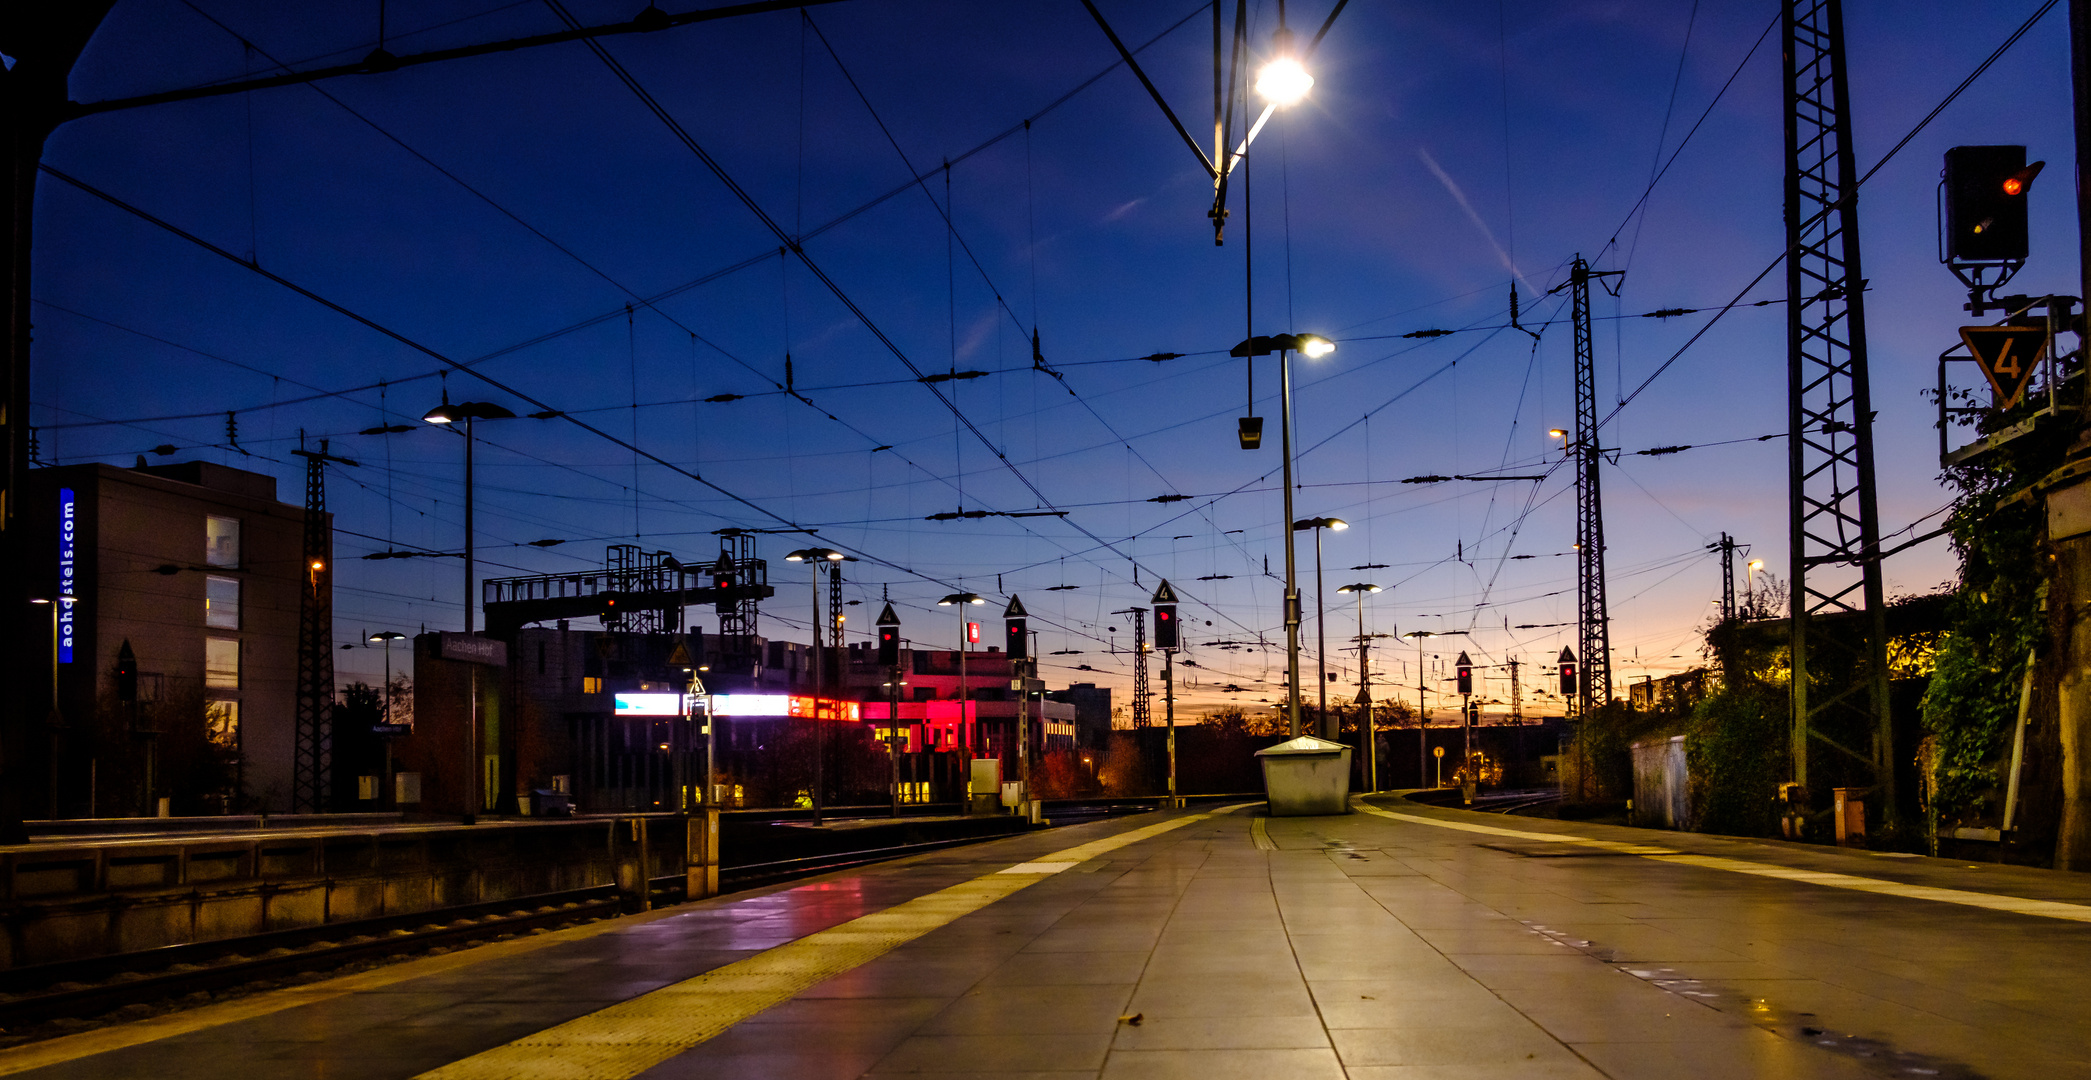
1444, 149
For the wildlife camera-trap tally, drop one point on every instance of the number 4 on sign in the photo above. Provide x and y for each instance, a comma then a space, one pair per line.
2008, 355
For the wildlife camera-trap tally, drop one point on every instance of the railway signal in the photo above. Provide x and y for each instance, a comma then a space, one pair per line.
889, 637
1165, 636
1986, 188
1014, 626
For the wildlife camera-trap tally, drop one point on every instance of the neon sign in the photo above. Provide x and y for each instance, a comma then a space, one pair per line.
632, 704
67, 540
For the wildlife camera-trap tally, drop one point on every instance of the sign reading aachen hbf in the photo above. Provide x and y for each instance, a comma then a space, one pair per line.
68, 541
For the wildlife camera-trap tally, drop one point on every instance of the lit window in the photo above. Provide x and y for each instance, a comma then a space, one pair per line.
591, 684
221, 724
221, 545
221, 603
221, 663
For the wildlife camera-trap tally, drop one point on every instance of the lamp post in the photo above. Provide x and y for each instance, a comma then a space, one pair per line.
1422, 712
469, 412
1313, 346
1365, 728
1321, 628
386, 638
965, 751
55, 719
817, 558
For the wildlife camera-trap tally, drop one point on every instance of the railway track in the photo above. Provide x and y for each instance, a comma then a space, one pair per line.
1514, 801
93, 987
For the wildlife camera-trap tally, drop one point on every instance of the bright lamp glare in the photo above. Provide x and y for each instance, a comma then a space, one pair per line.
1316, 347
1284, 82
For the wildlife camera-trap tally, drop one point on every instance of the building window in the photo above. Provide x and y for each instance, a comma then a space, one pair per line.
221, 663
221, 544
221, 602
221, 724
591, 684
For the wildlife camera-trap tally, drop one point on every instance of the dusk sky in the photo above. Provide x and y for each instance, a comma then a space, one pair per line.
504, 210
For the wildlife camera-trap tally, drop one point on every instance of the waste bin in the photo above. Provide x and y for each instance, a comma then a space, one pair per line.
1306, 776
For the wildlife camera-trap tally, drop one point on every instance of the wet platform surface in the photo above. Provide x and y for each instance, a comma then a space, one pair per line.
1411, 943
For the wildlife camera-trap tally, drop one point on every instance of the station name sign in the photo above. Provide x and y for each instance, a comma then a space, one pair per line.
473, 649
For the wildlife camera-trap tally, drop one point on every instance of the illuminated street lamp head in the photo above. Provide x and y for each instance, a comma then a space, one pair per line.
1756, 564
1359, 587
1556, 433
815, 555
1314, 346
387, 635
961, 598
1283, 82
446, 413
1333, 524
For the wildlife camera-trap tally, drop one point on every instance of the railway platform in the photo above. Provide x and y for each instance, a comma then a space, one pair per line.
1399, 942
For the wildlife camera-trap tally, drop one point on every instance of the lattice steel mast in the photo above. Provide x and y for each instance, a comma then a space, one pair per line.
1142, 709
312, 748
1593, 620
1834, 527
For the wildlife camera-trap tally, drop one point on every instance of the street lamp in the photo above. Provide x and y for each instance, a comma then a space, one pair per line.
1283, 81
965, 772
1314, 346
1321, 630
469, 412
56, 719
1422, 713
386, 638
1365, 728
817, 558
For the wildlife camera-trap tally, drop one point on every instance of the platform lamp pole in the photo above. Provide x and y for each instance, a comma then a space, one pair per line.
469, 412
1321, 622
965, 753
1365, 730
1422, 711
816, 557
1313, 346
386, 638
55, 719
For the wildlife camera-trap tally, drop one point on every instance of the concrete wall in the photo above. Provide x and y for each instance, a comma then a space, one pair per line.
62, 902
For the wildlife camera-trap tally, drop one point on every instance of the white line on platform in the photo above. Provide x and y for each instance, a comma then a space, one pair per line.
2017, 905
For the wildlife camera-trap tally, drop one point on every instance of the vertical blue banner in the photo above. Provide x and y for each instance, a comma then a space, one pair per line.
67, 538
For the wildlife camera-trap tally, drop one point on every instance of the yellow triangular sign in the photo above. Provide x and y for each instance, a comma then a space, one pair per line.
2008, 355
681, 656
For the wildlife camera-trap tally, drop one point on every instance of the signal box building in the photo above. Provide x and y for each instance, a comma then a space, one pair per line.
197, 569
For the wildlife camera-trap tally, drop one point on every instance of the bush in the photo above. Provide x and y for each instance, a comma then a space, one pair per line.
1736, 752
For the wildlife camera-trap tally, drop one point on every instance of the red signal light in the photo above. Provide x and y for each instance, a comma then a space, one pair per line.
2014, 185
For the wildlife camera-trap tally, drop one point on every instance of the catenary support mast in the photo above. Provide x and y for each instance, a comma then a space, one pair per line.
1834, 520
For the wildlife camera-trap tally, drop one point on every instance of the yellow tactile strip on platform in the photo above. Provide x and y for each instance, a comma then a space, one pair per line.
2017, 905
628, 1038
